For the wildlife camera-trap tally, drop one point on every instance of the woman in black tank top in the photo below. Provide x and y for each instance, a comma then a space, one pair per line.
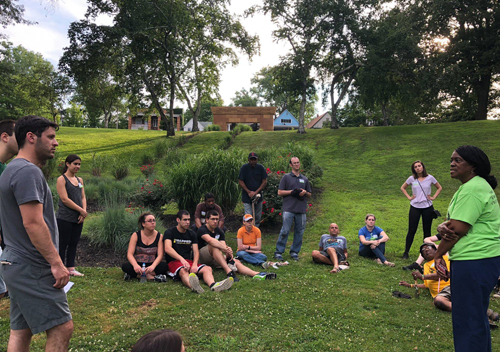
146, 247
71, 213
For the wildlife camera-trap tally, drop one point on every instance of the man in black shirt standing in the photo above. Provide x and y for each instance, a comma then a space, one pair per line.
215, 252
252, 179
181, 247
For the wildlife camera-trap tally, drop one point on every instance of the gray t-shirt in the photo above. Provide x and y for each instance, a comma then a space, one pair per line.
290, 203
20, 183
333, 241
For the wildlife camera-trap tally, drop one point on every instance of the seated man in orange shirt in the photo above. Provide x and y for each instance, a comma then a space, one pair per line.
250, 243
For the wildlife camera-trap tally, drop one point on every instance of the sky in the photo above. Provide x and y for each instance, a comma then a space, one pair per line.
49, 37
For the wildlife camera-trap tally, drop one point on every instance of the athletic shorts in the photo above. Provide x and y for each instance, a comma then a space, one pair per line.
445, 292
340, 254
206, 257
176, 265
34, 302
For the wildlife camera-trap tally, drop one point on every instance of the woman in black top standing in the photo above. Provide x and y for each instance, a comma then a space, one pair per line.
72, 211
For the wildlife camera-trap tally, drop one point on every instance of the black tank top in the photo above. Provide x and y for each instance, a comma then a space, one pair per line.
143, 253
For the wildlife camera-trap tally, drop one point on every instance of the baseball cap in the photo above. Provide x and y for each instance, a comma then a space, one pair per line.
252, 155
247, 217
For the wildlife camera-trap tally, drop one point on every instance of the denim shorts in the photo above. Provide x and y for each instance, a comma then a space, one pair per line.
34, 302
340, 254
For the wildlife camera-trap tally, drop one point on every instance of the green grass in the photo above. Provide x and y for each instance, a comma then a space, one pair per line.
306, 308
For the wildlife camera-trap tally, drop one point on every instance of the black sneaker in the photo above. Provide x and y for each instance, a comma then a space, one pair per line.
414, 266
127, 277
278, 256
405, 255
160, 278
233, 275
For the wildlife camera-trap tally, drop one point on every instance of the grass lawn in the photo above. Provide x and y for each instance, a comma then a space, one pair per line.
306, 308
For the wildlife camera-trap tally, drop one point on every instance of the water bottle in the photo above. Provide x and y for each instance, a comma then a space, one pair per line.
143, 275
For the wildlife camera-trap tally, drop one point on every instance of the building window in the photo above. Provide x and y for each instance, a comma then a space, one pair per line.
286, 121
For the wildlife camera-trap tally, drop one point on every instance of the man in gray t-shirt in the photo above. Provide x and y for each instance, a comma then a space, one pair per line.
295, 189
31, 265
332, 249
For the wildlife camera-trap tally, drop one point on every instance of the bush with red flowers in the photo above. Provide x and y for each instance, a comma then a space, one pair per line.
147, 170
152, 194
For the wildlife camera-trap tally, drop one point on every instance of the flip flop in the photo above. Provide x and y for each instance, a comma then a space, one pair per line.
335, 270
75, 273
400, 295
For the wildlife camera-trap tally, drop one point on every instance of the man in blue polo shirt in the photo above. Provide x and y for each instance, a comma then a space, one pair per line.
252, 179
295, 189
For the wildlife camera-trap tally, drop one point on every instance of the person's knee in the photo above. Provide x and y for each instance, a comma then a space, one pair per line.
205, 270
441, 303
64, 330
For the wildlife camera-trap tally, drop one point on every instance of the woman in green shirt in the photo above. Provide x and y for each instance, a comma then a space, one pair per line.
472, 236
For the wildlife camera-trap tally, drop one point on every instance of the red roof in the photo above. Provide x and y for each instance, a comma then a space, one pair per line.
315, 120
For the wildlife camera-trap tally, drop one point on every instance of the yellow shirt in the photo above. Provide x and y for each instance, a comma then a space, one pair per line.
435, 286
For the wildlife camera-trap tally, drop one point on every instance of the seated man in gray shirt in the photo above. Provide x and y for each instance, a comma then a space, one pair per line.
332, 249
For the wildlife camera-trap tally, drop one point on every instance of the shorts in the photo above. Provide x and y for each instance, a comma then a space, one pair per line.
446, 293
34, 302
175, 265
206, 257
340, 254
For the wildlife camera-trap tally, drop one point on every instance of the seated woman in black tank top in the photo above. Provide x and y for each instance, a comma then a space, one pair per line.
146, 247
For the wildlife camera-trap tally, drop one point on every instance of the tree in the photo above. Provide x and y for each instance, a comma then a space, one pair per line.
205, 109
468, 66
244, 98
270, 90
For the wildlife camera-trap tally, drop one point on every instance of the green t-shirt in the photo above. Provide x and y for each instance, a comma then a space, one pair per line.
475, 203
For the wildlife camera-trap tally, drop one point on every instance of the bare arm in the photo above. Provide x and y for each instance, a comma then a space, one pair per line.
363, 240
159, 257
130, 253
438, 190
403, 189
171, 252
39, 234
451, 231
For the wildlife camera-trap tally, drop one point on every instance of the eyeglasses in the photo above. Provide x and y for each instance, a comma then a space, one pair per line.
152, 220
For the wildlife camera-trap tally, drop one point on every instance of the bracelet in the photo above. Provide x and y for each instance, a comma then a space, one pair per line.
248, 247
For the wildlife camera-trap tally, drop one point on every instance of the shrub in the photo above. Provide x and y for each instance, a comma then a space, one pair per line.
152, 194
120, 168
114, 226
147, 170
147, 158
212, 128
214, 171
240, 128
174, 156
97, 164
162, 146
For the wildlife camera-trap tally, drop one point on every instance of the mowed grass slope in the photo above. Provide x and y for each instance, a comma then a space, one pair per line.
306, 308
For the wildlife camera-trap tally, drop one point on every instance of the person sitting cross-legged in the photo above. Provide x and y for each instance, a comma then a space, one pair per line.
182, 255
215, 252
332, 249
372, 241
250, 243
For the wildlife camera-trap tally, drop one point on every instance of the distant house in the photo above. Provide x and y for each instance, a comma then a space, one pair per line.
320, 121
151, 121
285, 121
259, 117
188, 127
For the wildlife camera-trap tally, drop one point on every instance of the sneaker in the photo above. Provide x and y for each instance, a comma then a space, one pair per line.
294, 256
194, 282
127, 277
278, 257
414, 266
343, 267
160, 278
405, 255
232, 265
492, 315
223, 285
265, 276
233, 275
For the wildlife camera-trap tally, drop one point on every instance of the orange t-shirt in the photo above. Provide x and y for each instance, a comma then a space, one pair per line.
249, 238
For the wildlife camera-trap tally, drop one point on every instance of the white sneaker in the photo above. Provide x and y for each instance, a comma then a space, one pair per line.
223, 285
194, 282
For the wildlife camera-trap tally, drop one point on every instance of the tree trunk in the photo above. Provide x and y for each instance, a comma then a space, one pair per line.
335, 104
384, 114
302, 111
154, 97
482, 90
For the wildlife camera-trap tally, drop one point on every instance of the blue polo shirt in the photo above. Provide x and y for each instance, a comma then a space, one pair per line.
290, 182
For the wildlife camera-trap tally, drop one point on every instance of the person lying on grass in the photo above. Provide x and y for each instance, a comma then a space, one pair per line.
439, 289
372, 241
182, 255
332, 249
215, 252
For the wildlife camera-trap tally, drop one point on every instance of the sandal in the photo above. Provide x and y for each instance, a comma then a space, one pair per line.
335, 270
344, 262
75, 273
400, 295
388, 263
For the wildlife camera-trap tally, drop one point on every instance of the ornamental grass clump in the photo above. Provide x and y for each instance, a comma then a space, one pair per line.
214, 171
